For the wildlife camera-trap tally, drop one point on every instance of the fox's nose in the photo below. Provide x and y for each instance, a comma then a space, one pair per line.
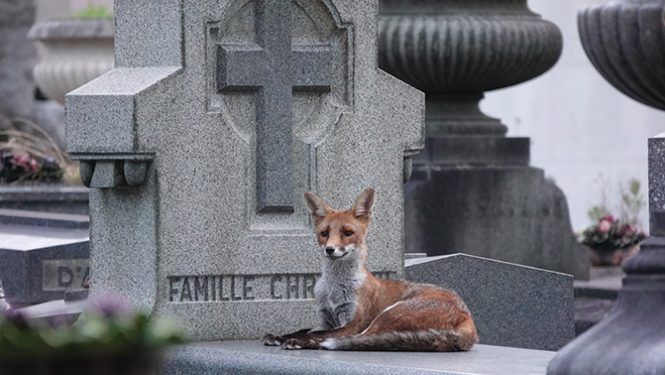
330, 250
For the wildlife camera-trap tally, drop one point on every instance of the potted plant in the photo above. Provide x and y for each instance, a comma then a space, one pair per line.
611, 240
107, 338
73, 51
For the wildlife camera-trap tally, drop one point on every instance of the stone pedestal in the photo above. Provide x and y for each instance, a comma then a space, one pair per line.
631, 339
472, 189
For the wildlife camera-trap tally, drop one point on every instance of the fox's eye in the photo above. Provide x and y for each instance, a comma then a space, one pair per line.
324, 233
348, 233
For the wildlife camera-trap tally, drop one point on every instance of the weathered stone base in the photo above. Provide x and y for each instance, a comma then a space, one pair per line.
251, 357
508, 213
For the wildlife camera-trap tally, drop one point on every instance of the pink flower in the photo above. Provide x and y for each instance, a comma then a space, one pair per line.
604, 226
607, 217
25, 161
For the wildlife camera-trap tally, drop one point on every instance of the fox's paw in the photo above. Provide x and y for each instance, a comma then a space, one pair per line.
297, 344
272, 340
328, 344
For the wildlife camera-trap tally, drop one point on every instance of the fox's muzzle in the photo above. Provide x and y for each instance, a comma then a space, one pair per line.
336, 252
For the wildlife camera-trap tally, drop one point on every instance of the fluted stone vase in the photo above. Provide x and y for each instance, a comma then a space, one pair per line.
625, 41
472, 189
455, 50
72, 52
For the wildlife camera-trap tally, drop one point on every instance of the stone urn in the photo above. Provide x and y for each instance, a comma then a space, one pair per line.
454, 50
625, 41
72, 52
473, 186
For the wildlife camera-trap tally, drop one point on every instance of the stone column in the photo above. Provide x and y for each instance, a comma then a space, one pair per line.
17, 57
625, 41
472, 189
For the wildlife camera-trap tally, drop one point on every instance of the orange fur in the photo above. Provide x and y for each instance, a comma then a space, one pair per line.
386, 314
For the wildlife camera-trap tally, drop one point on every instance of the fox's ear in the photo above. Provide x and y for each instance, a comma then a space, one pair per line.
362, 207
316, 205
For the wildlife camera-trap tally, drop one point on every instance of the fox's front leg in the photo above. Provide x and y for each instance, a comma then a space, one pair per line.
312, 339
274, 340
324, 325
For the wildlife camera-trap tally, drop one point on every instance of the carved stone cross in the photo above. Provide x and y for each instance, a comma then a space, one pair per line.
273, 68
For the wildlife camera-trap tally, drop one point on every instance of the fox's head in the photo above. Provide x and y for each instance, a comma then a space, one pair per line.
341, 233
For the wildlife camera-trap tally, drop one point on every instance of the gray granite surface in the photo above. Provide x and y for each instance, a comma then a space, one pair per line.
40, 262
512, 305
43, 219
190, 238
17, 58
251, 357
604, 282
45, 198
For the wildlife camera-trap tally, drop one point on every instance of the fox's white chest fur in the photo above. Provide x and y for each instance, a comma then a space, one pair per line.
337, 292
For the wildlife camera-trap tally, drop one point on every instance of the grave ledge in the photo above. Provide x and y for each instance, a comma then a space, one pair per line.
240, 357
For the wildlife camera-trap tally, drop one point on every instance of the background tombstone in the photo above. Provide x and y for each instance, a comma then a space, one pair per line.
473, 190
42, 255
188, 159
512, 305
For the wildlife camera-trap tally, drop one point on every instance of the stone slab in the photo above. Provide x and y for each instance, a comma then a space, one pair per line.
40, 263
251, 357
604, 282
512, 305
43, 219
45, 198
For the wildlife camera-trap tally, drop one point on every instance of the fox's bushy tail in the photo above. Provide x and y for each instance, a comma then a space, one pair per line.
418, 341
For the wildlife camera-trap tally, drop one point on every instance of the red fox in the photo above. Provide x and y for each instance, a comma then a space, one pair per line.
361, 312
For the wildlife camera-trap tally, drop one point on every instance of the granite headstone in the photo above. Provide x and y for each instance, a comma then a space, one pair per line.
199, 144
42, 255
512, 305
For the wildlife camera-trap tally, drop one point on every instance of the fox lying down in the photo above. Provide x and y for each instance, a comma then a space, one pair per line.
361, 312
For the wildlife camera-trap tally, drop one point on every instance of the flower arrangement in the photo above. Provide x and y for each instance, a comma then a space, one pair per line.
108, 336
611, 239
609, 234
30, 155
